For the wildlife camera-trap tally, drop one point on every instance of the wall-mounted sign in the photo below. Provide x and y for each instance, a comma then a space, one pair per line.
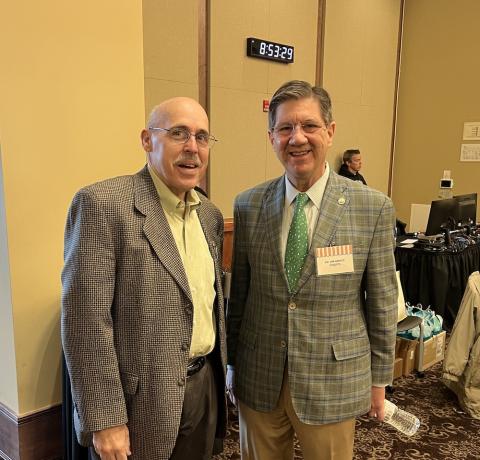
272, 51
471, 131
470, 152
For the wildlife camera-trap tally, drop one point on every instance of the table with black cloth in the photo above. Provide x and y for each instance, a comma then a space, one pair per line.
436, 279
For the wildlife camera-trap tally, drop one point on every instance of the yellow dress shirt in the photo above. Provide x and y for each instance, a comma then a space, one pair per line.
197, 261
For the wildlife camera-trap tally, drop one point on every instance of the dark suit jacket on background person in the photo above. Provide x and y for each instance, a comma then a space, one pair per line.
345, 172
336, 341
127, 313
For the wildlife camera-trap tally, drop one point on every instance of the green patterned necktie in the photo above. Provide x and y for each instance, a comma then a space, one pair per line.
297, 242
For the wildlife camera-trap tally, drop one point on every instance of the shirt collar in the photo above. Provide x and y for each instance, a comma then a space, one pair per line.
170, 202
315, 192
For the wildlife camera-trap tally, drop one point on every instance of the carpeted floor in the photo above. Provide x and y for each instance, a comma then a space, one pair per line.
446, 432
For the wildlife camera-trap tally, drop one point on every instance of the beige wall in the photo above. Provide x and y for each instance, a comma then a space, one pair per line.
438, 93
8, 380
359, 72
170, 37
360, 59
72, 107
244, 157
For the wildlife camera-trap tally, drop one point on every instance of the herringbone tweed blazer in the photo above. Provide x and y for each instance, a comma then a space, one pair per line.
336, 341
127, 314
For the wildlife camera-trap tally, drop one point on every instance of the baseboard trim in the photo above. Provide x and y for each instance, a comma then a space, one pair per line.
36, 436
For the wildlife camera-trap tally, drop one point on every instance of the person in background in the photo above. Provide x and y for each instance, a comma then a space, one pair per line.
352, 163
143, 326
312, 317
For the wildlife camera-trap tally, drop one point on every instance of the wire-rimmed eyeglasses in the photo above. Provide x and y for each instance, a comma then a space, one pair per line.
182, 135
287, 130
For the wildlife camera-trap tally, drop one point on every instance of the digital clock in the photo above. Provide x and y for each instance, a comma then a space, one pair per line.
272, 51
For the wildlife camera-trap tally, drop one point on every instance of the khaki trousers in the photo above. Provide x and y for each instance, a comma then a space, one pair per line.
270, 435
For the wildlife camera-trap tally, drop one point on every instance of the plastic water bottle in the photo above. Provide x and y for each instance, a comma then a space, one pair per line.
403, 421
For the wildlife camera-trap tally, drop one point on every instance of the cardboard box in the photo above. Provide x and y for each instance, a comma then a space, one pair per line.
405, 349
433, 351
398, 368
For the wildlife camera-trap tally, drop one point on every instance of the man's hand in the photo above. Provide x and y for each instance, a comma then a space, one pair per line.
377, 408
231, 385
112, 443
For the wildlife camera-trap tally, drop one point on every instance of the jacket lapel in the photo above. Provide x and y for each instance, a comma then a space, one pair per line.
157, 230
212, 245
334, 204
273, 206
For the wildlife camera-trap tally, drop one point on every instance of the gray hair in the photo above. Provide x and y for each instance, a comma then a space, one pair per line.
297, 89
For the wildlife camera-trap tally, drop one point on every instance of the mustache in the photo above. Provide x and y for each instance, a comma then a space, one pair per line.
183, 158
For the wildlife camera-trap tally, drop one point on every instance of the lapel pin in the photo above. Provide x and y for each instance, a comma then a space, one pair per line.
341, 200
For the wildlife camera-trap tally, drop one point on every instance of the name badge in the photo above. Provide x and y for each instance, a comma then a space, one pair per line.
334, 260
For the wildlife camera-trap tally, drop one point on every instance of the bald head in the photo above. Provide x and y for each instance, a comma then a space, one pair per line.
162, 112
179, 161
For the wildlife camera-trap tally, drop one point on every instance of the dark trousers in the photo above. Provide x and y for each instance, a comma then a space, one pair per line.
198, 423
199, 417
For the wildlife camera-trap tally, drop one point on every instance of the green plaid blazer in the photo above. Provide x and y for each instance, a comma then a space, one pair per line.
127, 314
336, 332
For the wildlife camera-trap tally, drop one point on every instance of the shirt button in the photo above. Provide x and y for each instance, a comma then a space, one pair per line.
283, 344
292, 306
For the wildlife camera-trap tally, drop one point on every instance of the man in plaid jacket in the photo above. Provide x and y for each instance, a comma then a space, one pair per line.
308, 356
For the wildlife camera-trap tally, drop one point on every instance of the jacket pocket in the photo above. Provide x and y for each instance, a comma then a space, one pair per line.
129, 383
353, 348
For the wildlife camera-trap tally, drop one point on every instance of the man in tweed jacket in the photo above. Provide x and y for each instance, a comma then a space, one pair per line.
311, 357
142, 320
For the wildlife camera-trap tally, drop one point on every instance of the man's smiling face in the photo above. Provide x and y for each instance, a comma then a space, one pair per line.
179, 165
301, 153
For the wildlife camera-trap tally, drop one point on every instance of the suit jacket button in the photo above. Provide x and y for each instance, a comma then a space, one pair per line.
184, 347
283, 344
181, 381
292, 306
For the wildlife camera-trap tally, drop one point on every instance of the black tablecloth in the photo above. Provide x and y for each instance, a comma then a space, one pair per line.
437, 279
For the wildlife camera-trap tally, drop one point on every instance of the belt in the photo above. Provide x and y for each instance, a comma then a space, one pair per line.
194, 366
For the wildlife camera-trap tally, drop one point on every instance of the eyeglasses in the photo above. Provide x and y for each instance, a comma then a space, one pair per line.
182, 135
289, 129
